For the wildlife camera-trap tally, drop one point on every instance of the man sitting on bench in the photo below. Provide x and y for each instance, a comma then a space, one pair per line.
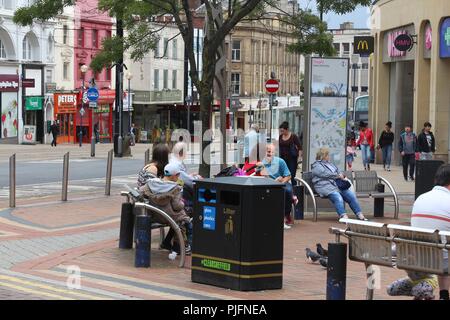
277, 169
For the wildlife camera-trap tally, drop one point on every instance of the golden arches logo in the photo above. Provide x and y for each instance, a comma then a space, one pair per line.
363, 45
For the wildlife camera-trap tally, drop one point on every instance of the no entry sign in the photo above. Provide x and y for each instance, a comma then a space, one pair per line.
272, 85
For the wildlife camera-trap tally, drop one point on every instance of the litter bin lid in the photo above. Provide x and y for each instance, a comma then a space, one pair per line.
244, 181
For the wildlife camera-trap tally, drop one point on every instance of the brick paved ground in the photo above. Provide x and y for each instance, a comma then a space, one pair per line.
42, 237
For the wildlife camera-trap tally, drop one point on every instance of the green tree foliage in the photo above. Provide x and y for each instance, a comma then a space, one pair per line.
340, 6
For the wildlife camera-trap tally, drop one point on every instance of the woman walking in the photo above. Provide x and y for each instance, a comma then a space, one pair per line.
365, 141
385, 144
290, 148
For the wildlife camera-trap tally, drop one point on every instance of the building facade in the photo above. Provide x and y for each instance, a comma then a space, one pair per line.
157, 84
27, 62
411, 87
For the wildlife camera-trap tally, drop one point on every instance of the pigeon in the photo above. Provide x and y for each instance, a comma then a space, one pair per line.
311, 255
323, 262
320, 250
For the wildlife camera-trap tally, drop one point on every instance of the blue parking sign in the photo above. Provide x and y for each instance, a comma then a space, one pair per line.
92, 94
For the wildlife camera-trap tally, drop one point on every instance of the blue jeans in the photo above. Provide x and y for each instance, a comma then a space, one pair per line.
287, 199
365, 152
387, 152
338, 198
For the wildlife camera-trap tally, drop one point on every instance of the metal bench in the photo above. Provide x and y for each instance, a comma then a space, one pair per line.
396, 246
364, 183
138, 201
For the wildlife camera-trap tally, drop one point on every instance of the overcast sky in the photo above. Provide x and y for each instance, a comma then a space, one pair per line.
360, 16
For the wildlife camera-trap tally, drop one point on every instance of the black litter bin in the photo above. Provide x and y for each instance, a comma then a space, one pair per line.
238, 233
425, 172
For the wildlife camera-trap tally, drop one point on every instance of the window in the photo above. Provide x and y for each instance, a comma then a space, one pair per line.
108, 34
65, 34
50, 47
157, 49
2, 50
94, 38
81, 37
174, 79
346, 48
166, 79
108, 74
166, 48
365, 66
235, 83
66, 68
156, 79
337, 47
26, 48
274, 54
174, 49
48, 76
236, 51
7, 4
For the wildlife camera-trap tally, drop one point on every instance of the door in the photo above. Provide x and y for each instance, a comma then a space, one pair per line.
66, 128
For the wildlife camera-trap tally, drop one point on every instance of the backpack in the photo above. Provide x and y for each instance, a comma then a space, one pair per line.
227, 172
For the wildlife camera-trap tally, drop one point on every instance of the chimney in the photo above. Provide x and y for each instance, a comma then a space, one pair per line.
347, 26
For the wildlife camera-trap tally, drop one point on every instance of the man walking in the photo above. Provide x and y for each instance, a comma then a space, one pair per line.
432, 211
54, 130
426, 143
407, 146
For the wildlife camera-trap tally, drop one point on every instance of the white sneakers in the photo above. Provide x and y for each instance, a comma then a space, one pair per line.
359, 216
286, 227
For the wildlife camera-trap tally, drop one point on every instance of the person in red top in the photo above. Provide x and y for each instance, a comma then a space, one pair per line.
365, 141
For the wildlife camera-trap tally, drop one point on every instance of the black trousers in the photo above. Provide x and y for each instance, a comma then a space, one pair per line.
54, 140
408, 160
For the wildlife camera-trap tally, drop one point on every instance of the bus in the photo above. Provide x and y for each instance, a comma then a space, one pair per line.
361, 109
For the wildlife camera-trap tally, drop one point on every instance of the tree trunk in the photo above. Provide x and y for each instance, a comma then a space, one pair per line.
206, 101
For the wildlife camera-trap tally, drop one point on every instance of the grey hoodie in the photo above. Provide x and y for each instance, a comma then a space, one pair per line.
323, 178
167, 196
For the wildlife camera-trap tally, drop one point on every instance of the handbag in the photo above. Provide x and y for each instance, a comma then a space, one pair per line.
343, 184
293, 151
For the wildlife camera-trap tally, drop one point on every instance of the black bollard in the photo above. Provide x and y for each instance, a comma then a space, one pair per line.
336, 271
143, 241
126, 226
378, 203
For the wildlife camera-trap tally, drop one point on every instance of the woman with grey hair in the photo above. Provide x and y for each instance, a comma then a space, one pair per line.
326, 177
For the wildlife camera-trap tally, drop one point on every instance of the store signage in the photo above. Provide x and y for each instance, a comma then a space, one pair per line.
404, 42
102, 108
28, 83
92, 105
9, 83
364, 46
65, 103
33, 103
392, 49
50, 87
29, 134
428, 37
445, 39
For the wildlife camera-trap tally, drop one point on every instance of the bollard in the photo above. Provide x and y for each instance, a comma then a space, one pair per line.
143, 241
378, 203
109, 173
65, 181
12, 181
147, 157
336, 271
126, 226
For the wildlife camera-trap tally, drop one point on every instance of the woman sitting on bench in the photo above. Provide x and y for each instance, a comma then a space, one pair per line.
329, 182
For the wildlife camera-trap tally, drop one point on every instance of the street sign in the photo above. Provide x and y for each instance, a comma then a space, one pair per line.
92, 105
28, 83
82, 112
85, 97
272, 85
92, 94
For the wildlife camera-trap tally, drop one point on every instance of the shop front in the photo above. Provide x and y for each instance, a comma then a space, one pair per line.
9, 88
65, 108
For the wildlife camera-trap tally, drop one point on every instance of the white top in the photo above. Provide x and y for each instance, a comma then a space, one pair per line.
432, 210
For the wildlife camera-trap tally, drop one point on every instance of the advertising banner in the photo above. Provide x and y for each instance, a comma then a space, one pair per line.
8, 115
29, 134
327, 108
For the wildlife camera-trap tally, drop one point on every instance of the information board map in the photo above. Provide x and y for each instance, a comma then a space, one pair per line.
328, 128
328, 108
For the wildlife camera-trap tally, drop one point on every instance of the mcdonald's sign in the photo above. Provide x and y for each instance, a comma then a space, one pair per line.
363, 46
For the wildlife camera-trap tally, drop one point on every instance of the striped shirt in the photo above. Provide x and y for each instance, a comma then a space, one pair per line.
432, 210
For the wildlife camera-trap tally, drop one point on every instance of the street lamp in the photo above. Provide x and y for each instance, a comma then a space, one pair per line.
93, 126
84, 68
188, 102
129, 76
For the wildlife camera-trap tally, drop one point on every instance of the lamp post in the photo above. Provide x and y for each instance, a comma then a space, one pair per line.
129, 76
93, 126
188, 102
84, 68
